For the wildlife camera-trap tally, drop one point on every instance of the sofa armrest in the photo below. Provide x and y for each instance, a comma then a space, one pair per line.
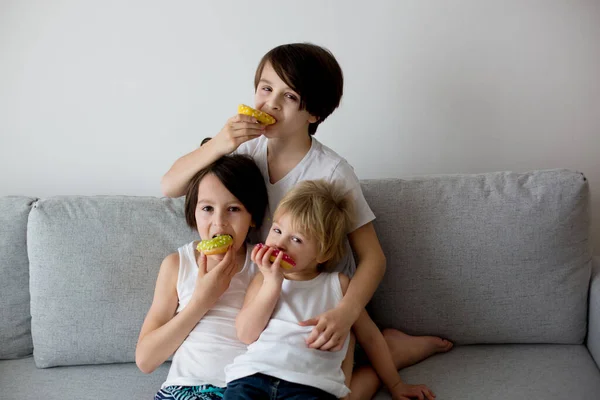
593, 335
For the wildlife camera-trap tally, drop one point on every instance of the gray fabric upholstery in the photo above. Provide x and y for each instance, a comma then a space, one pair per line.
593, 338
515, 372
93, 264
15, 325
20, 379
491, 372
489, 258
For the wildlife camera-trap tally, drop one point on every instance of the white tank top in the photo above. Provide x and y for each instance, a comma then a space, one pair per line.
281, 350
213, 343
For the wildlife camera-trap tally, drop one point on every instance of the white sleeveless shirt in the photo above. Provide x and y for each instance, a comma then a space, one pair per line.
281, 350
213, 343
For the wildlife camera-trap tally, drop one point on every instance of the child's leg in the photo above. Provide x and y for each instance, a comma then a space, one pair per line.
406, 350
364, 384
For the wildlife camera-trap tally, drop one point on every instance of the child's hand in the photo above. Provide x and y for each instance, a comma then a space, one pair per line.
331, 329
402, 391
272, 271
238, 129
212, 284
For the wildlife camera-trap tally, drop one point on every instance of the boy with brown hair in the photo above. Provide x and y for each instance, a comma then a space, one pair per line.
300, 85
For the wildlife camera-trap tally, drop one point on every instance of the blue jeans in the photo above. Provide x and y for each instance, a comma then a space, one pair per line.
264, 387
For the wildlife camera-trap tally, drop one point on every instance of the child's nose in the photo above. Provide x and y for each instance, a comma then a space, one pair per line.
273, 103
279, 245
220, 219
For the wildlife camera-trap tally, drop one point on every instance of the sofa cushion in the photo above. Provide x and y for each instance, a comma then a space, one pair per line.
491, 372
94, 263
593, 337
488, 258
15, 328
20, 379
515, 372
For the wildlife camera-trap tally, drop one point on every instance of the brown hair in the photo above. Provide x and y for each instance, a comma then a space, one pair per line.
242, 177
321, 210
311, 71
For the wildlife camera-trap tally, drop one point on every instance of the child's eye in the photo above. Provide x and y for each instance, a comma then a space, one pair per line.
296, 239
277, 230
291, 97
207, 208
266, 88
234, 208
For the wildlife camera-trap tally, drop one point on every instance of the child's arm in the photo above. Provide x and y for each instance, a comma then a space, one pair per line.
372, 341
261, 296
370, 269
332, 326
237, 130
163, 330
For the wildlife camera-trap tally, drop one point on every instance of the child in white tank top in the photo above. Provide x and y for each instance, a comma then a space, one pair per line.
306, 238
198, 297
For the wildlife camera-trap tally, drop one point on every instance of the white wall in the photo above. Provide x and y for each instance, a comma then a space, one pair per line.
101, 97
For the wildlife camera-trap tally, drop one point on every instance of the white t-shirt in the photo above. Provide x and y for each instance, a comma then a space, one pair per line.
281, 350
213, 342
319, 163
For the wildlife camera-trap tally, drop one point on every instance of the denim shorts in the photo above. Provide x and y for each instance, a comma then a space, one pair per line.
264, 387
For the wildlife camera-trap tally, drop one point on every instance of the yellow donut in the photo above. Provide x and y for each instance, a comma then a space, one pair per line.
218, 245
262, 117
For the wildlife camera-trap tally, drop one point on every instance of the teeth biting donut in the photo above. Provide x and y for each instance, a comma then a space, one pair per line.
287, 262
217, 245
262, 117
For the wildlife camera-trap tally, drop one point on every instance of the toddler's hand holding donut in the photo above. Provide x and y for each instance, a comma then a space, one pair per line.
269, 265
287, 262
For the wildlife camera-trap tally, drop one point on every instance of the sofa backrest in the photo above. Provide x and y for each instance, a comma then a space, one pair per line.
93, 266
487, 258
15, 320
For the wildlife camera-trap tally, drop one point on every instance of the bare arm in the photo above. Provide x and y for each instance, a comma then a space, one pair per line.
370, 338
332, 326
174, 182
163, 331
369, 270
261, 297
260, 301
372, 341
237, 130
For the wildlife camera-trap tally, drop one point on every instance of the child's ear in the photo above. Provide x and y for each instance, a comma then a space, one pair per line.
312, 119
252, 224
321, 259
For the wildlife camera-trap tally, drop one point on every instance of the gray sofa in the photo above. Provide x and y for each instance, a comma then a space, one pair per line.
499, 263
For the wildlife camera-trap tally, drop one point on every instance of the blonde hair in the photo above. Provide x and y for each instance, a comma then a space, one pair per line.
321, 210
